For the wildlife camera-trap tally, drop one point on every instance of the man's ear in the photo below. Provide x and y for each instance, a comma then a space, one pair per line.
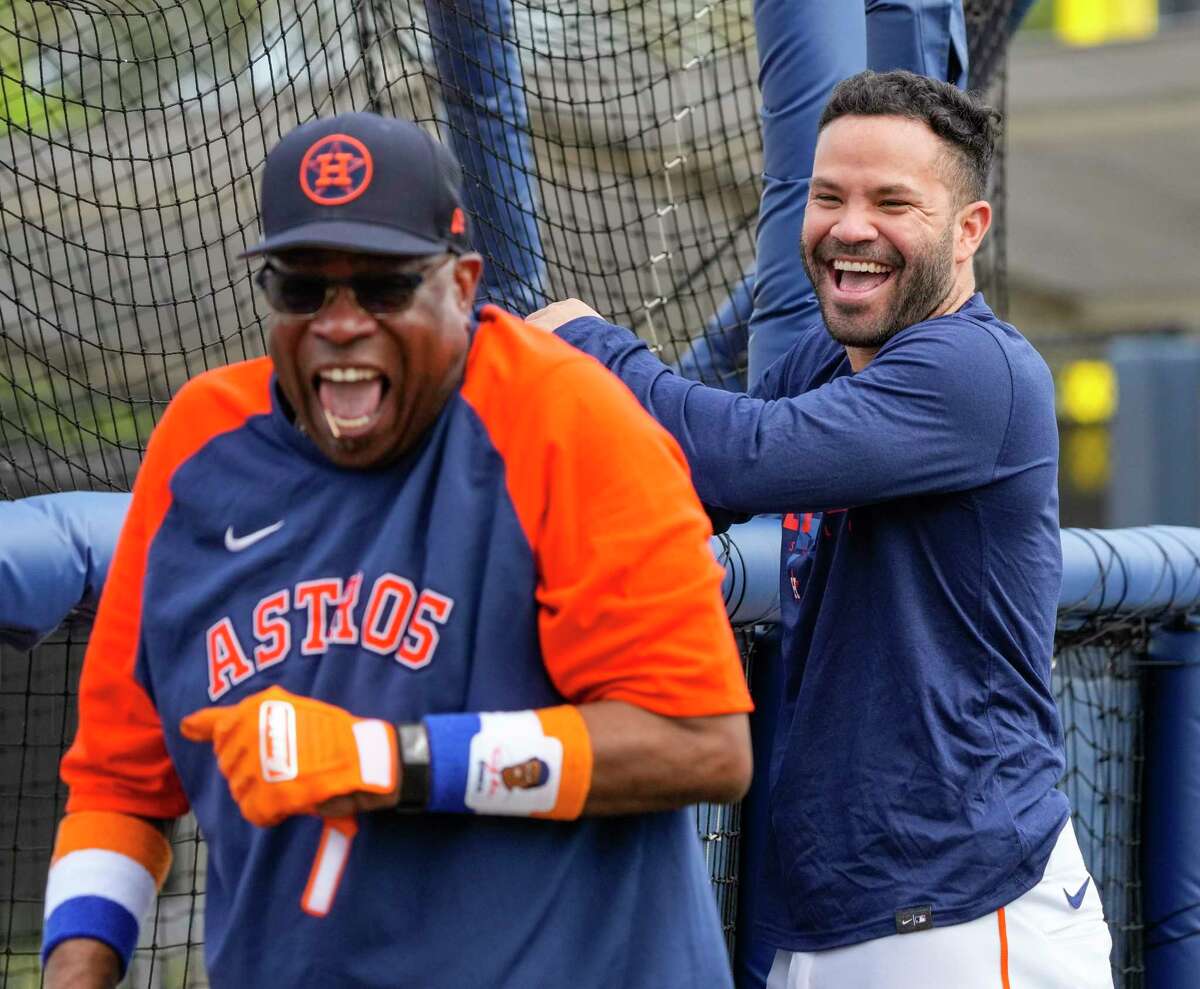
467, 271
971, 225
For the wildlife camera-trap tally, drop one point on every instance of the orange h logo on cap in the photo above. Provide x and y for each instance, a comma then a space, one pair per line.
335, 170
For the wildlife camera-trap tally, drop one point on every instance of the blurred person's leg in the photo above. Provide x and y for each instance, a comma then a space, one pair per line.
718, 355
928, 37
483, 91
805, 47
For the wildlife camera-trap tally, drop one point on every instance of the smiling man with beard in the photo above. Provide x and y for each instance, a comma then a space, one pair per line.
893, 222
382, 598
916, 837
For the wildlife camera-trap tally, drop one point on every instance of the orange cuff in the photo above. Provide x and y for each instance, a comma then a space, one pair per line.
567, 725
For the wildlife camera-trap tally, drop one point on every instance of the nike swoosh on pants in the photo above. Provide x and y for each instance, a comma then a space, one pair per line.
1076, 901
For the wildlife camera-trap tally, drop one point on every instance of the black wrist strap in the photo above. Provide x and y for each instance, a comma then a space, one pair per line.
414, 767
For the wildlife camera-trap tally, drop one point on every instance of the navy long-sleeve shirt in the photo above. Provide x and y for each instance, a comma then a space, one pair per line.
918, 745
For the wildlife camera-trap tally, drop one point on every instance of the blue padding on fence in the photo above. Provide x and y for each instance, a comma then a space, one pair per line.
54, 555
1171, 816
55, 551
1145, 570
750, 554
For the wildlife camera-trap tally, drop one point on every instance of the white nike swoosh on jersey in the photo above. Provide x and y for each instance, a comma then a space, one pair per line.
235, 544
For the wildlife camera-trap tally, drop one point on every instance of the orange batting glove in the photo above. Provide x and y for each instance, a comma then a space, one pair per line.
283, 754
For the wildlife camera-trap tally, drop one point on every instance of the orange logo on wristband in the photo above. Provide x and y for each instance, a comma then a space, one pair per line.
336, 170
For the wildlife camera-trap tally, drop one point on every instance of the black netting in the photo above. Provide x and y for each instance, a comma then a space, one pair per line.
132, 133
989, 30
1098, 686
720, 828
37, 717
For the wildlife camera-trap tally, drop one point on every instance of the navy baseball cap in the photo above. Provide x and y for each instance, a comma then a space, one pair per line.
364, 183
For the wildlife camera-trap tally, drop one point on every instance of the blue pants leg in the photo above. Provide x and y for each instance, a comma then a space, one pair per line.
483, 92
716, 356
928, 37
805, 47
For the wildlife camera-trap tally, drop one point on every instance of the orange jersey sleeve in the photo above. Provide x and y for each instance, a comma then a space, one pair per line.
118, 761
629, 591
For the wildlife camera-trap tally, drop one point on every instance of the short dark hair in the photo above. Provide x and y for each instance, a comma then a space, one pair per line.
965, 123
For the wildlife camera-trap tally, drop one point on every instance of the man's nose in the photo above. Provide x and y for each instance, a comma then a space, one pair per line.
854, 226
342, 320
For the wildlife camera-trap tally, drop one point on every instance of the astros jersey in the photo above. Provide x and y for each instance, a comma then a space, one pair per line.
918, 745
541, 543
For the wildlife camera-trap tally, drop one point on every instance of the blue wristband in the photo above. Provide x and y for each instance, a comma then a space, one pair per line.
94, 917
449, 757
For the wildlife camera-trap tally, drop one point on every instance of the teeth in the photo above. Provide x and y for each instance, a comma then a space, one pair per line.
337, 424
871, 267
348, 374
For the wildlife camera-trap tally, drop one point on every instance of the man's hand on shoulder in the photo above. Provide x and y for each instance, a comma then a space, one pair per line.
553, 316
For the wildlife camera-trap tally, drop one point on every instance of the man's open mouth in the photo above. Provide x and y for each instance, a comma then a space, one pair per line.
859, 278
350, 398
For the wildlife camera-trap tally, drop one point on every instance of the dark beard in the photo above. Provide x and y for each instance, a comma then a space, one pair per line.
928, 276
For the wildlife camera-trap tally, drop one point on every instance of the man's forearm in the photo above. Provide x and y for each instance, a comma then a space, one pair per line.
645, 762
641, 762
82, 963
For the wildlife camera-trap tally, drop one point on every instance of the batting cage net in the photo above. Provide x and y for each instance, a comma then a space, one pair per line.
1098, 687
611, 151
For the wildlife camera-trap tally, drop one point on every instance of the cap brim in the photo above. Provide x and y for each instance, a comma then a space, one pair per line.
361, 238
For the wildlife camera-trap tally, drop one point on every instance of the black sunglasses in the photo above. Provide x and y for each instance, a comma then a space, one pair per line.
290, 294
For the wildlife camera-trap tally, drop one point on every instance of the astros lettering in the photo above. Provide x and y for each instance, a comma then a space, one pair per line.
396, 621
